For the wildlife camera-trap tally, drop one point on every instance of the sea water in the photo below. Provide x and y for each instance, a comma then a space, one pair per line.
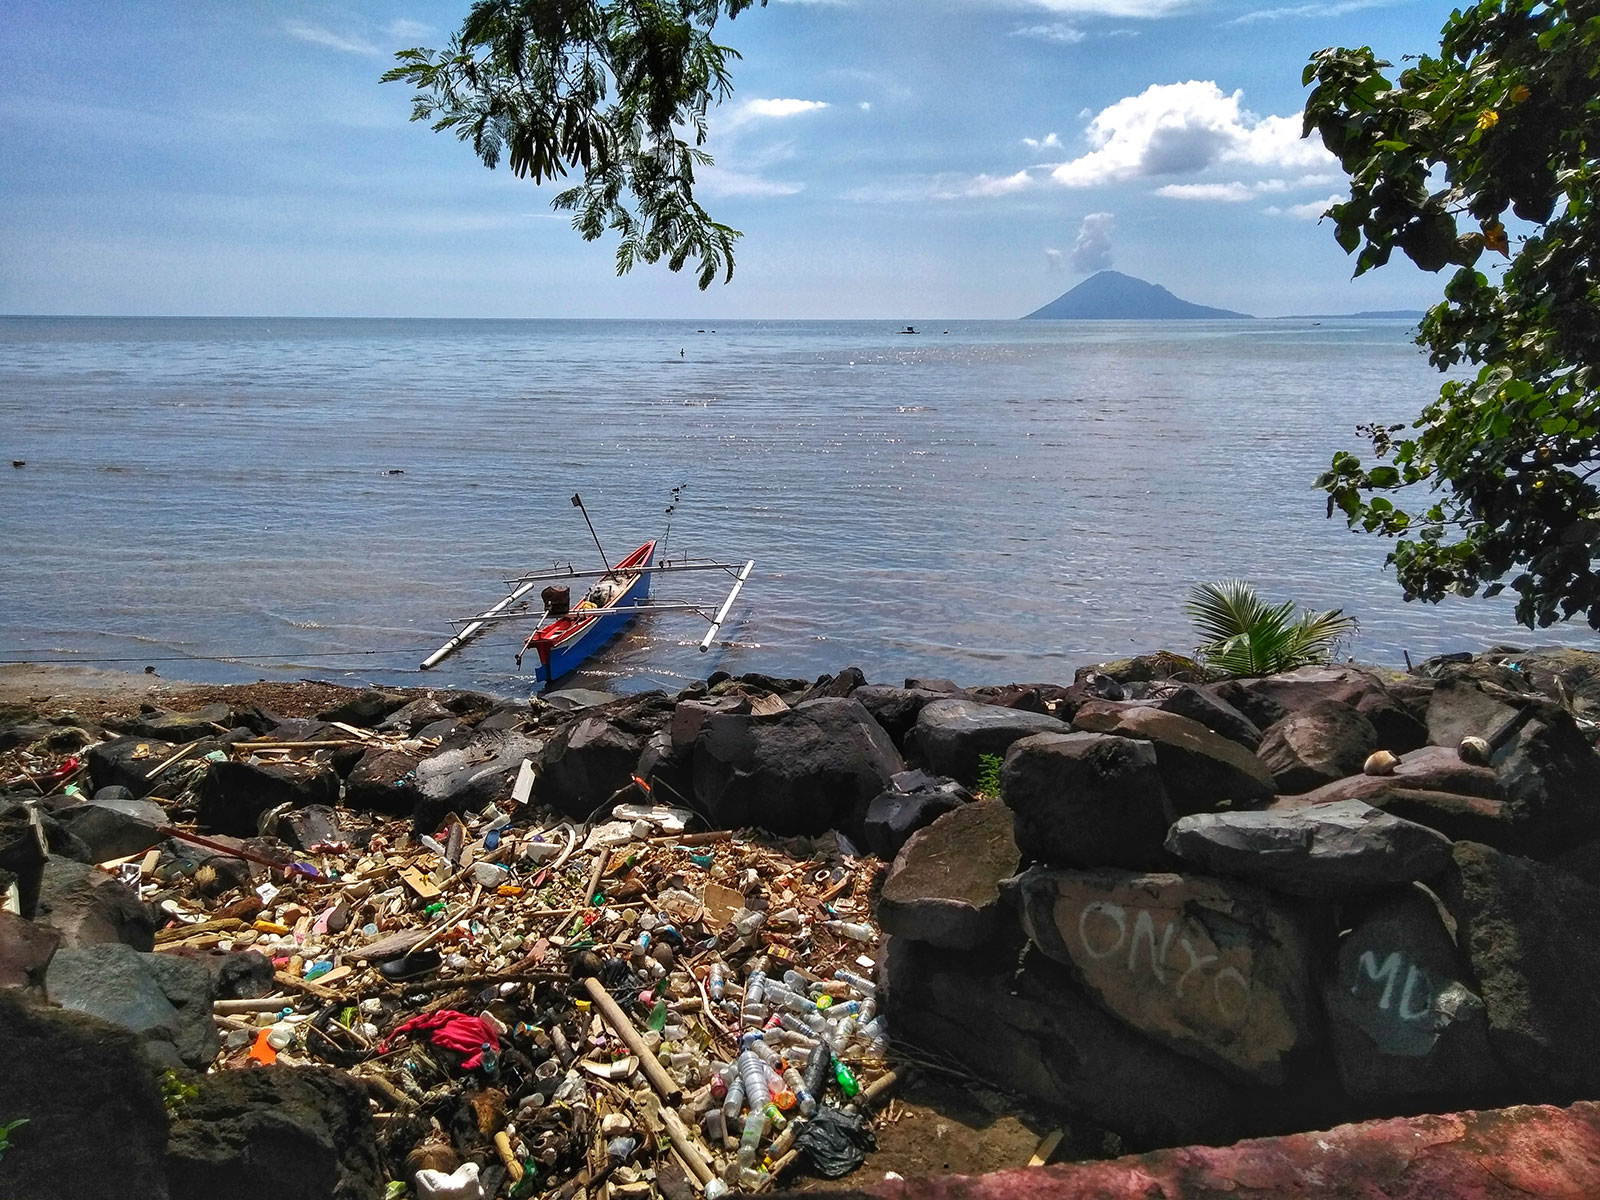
985, 501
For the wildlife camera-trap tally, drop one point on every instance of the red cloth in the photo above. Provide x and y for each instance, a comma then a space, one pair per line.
454, 1031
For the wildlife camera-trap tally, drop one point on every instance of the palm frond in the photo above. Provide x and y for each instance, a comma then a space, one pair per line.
1244, 635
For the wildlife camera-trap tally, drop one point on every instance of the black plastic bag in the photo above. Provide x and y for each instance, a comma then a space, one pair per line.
836, 1142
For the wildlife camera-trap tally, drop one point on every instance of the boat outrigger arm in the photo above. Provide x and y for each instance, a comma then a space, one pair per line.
515, 608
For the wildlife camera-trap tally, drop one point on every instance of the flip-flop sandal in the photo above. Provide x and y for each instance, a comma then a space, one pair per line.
411, 966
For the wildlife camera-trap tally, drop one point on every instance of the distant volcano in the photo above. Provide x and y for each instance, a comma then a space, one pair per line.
1113, 296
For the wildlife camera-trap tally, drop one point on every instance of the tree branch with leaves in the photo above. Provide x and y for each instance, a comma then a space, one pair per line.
1503, 124
618, 91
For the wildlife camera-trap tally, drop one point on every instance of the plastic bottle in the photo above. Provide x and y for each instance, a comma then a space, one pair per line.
753, 1074
847, 1079
819, 1069
755, 1128
658, 1015
734, 1101
490, 1061
851, 929
860, 982
716, 979
755, 1008
802, 1094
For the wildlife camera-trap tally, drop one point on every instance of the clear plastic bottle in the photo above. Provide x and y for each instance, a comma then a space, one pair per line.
716, 979
802, 1094
860, 982
755, 1008
755, 1129
753, 1074
734, 1100
855, 930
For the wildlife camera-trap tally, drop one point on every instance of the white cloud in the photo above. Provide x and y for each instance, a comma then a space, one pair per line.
1054, 260
1181, 129
403, 29
326, 38
1092, 250
1049, 142
1337, 9
1305, 212
1112, 8
992, 185
717, 182
781, 108
865, 105
1231, 193
1055, 31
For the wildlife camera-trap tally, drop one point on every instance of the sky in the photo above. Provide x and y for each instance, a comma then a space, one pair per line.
897, 159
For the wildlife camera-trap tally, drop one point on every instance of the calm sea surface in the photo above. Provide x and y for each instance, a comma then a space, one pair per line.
988, 501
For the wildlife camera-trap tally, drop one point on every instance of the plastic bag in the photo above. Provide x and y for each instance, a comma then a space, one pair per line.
835, 1142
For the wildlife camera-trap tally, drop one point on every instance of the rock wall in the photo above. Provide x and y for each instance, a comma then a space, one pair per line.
1234, 914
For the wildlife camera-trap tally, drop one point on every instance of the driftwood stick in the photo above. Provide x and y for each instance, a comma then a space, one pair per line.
631, 1037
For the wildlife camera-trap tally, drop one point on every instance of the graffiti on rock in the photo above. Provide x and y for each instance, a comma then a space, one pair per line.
1175, 951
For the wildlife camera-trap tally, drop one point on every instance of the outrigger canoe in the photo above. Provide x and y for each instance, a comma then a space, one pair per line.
568, 635
601, 615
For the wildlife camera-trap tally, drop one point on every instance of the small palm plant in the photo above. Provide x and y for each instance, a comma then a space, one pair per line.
1244, 635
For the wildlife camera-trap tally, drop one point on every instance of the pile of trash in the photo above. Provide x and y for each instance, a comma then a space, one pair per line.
538, 1005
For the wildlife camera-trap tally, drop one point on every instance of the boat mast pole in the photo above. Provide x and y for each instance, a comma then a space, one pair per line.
577, 502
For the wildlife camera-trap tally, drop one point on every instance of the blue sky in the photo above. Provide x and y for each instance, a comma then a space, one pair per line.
884, 158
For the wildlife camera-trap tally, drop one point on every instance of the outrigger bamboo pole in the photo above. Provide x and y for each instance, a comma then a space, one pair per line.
471, 630
722, 613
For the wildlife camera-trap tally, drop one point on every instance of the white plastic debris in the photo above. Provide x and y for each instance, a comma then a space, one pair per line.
462, 1184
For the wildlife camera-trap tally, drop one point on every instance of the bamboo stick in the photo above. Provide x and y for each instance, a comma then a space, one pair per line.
618, 1020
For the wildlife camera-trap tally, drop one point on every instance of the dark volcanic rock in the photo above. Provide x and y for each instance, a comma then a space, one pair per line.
1087, 800
96, 1122
25, 951
1322, 851
1404, 1019
278, 1133
126, 761
414, 715
807, 770
1299, 689
164, 999
914, 801
1214, 969
1460, 818
1440, 769
1317, 745
467, 777
383, 781
177, 727
365, 708
1035, 1032
952, 734
88, 907
837, 686
303, 828
1528, 930
234, 796
1215, 714
1201, 770
114, 825
1460, 708
584, 763
894, 708
1551, 775
944, 887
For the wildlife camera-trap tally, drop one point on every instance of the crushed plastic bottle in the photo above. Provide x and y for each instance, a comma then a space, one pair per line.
851, 929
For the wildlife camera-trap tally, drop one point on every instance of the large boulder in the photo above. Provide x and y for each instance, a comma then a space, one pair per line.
1214, 713
944, 886
1034, 1032
806, 770
114, 824
952, 735
585, 762
1405, 1020
25, 951
1460, 818
210, 721
464, 778
365, 708
234, 796
896, 708
89, 907
383, 781
1550, 774
96, 1122
1322, 851
277, 1133
914, 801
1087, 800
1528, 931
1298, 689
1201, 770
1317, 745
165, 1000
1460, 707
1499, 1154
126, 762
1215, 969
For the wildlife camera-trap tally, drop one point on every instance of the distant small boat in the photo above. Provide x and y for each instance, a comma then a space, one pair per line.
908, 329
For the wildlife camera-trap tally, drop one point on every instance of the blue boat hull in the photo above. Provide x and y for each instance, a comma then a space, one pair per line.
572, 652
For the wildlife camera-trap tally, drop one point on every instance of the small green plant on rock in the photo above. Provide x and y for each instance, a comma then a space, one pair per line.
987, 786
1244, 635
7, 1128
175, 1093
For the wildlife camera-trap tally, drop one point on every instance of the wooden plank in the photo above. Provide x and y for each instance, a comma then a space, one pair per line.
419, 883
